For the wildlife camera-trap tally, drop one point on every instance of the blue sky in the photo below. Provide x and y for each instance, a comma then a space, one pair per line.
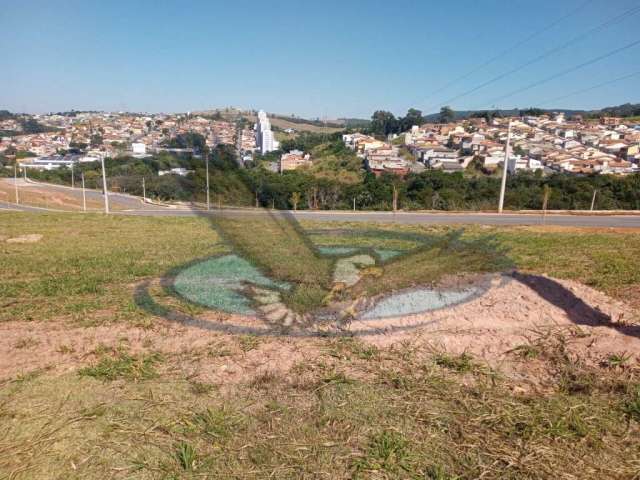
329, 58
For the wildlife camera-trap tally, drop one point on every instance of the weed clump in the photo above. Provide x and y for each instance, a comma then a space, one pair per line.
125, 367
461, 363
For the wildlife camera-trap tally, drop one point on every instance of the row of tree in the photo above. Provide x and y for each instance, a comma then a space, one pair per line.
337, 180
384, 123
232, 185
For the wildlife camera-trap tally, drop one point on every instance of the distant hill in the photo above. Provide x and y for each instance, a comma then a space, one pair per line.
625, 110
355, 122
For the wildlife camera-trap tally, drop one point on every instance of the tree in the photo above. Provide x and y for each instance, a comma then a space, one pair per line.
187, 140
295, 199
96, 140
413, 117
384, 123
447, 115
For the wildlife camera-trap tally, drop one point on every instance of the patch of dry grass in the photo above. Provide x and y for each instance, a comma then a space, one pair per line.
393, 413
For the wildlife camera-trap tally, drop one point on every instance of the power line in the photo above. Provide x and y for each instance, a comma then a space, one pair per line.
605, 24
588, 89
512, 48
566, 72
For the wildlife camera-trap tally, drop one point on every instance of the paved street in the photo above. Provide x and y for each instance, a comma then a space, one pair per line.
134, 206
425, 218
118, 200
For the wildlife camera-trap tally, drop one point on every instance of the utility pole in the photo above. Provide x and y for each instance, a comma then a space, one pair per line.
545, 201
395, 198
504, 169
84, 195
72, 177
354, 204
206, 164
15, 181
144, 192
104, 187
593, 199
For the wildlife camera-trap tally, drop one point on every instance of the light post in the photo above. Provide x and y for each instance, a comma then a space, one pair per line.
104, 187
84, 196
206, 164
503, 185
15, 181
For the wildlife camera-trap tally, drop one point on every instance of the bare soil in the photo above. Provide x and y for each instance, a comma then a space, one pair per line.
517, 310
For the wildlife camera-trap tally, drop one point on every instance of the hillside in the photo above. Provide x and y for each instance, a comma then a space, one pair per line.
625, 110
277, 120
297, 124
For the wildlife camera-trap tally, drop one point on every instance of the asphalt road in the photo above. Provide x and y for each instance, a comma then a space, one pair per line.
115, 199
135, 206
424, 218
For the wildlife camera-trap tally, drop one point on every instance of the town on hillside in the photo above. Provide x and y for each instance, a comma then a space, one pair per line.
548, 142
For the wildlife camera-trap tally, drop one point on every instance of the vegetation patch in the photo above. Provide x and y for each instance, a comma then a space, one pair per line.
124, 367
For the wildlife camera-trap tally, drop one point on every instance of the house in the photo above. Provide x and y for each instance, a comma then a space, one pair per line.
611, 121
630, 151
294, 160
517, 162
433, 156
386, 159
395, 165
472, 143
493, 158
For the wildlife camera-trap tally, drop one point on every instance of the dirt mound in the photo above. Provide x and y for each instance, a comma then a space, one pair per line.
513, 311
510, 313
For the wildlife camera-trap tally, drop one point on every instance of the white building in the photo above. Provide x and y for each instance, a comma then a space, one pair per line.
138, 148
517, 162
264, 136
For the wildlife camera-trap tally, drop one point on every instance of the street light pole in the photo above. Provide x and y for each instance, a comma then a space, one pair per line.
206, 164
593, 200
505, 167
73, 183
144, 192
15, 181
84, 196
104, 187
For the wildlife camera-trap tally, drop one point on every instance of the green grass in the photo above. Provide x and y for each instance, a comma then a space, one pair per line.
460, 363
606, 259
282, 251
609, 262
186, 456
86, 266
124, 366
